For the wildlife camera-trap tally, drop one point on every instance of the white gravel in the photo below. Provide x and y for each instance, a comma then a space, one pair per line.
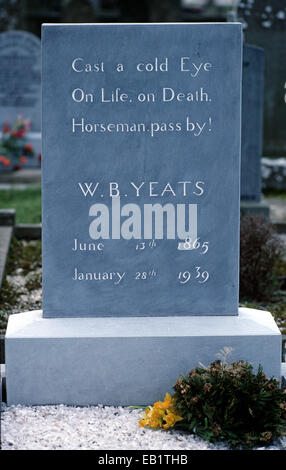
91, 428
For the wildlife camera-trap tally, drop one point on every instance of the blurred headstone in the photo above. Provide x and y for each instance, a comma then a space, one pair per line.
252, 123
20, 78
265, 26
252, 131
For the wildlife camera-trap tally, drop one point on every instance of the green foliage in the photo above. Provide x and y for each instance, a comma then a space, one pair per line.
261, 252
231, 403
27, 203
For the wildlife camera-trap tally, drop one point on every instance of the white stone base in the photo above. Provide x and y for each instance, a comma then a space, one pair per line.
126, 361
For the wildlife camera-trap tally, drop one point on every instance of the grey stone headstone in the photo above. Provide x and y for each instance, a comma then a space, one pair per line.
141, 121
252, 123
265, 26
20, 78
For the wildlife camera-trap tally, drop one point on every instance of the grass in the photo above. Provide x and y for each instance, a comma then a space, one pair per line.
274, 193
27, 203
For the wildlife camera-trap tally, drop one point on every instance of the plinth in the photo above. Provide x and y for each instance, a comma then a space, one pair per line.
126, 361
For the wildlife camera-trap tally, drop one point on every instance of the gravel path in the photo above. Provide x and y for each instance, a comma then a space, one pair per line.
90, 428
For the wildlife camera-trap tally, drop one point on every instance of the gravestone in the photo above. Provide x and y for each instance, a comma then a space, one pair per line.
130, 173
265, 26
20, 78
252, 130
141, 198
252, 123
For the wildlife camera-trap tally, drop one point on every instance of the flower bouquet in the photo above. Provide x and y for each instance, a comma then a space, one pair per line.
15, 150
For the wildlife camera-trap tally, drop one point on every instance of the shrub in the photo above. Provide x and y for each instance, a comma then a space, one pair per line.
14, 148
231, 403
260, 251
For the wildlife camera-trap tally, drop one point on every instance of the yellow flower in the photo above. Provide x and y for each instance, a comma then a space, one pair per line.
157, 413
154, 424
158, 405
161, 414
168, 401
171, 419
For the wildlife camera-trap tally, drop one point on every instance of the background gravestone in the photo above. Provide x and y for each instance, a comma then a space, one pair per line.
252, 123
20, 77
115, 120
265, 26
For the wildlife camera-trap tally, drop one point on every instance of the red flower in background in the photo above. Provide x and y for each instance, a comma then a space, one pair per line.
28, 148
21, 132
23, 159
6, 129
5, 161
